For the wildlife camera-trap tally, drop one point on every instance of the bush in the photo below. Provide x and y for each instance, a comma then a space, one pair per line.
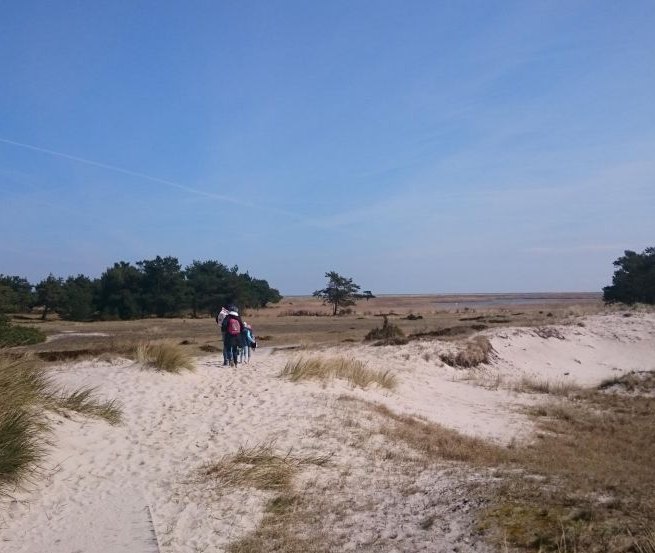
12, 335
388, 334
475, 352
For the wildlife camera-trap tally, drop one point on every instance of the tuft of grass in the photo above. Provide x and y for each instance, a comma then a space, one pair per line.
259, 467
82, 401
286, 513
22, 444
165, 356
354, 371
544, 386
475, 352
26, 391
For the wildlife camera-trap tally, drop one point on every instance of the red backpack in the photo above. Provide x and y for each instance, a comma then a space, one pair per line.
233, 326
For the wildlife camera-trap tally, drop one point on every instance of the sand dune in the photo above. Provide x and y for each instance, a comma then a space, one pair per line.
101, 483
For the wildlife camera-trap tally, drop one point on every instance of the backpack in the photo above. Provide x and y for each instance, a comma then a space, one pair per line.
233, 326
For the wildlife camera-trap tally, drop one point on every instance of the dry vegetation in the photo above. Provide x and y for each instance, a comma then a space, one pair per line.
387, 335
544, 386
305, 319
352, 370
25, 391
474, 352
597, 491
260, 467
585, 484
165, 356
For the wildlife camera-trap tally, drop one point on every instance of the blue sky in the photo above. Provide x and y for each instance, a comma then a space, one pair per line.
424, 146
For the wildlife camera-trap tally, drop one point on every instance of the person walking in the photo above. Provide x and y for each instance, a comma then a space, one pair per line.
247, 341
220, 317
232, 326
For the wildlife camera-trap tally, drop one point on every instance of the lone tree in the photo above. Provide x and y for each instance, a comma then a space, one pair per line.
634, 280
339, 292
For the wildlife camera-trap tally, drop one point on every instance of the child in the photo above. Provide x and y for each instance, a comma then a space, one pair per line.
247, 342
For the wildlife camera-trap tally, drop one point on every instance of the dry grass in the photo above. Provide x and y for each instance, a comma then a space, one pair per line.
585, 484
596, 492
354, 371
82, 401
259, 467
25, 391
165, 356
533, 385
475, 352
281, 530
433, 441
635, 382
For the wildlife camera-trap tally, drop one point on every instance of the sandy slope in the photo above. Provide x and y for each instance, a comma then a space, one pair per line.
100, 480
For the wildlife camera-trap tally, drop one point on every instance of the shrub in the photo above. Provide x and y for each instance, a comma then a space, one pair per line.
388, 334
475, 352
12, 335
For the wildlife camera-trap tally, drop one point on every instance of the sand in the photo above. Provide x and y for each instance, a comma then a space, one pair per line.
112, 489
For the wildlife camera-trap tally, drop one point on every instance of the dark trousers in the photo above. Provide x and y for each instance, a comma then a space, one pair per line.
231, 346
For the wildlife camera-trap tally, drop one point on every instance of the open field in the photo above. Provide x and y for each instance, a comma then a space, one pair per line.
542, 442
305, 320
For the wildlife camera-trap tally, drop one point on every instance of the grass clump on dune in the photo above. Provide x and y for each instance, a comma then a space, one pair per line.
354, 371
260, 467
544, 386
475, 352
26, 391
165, 356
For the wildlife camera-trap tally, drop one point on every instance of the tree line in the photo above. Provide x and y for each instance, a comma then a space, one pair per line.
634, 278
153, 287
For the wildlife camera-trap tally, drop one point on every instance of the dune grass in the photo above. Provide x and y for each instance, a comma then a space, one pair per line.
475, 352
529, 384
352, 370
164, 356
82, 401
26, 391
259, 467
262, 468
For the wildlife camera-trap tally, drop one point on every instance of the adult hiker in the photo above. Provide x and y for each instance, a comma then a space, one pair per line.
220, 317
232, 326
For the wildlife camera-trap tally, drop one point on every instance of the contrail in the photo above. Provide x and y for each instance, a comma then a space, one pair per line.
172, 184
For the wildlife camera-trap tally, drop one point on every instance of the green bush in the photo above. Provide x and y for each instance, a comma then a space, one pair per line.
12, 335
